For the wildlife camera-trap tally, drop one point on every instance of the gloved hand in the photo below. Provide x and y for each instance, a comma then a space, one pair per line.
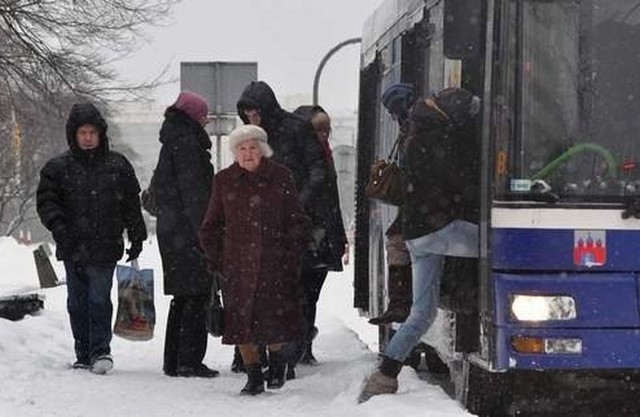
134, 251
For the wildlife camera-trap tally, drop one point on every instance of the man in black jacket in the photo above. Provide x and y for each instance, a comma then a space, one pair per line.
86, 198
294, 145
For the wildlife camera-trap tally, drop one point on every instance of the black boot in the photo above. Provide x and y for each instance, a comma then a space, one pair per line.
400, 296
291, 371
264, 358
275, 374
255, 381
237, 365
307, 356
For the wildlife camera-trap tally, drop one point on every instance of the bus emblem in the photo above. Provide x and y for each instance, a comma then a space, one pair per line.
589, 248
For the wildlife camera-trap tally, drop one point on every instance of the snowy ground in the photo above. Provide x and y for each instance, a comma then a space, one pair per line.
36, 353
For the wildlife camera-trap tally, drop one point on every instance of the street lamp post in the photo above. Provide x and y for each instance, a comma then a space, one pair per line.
323, 62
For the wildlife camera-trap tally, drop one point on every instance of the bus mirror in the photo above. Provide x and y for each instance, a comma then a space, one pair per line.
462, 28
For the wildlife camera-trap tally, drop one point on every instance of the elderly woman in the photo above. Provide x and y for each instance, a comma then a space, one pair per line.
252, 236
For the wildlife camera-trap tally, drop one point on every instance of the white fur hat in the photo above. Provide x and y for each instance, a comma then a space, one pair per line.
249, 132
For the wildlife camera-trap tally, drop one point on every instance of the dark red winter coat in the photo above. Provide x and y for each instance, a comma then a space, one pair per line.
253, 234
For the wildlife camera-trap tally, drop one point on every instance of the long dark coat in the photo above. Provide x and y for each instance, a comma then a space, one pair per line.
182, 182
88, 198
441, 163
328, 227
253, 234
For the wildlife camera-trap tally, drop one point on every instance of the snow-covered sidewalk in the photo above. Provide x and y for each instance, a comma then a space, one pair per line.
36, 353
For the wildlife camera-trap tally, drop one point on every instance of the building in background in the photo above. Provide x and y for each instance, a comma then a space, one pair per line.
137, 124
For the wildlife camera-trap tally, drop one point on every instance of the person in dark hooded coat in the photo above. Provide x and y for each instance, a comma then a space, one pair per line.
291, 137
330, 239
87, 197
294, 145
182, 183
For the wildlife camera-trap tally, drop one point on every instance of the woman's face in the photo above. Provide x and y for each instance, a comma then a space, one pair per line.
323, 132
249, 154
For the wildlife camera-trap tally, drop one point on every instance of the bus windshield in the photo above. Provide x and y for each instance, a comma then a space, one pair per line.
576, 94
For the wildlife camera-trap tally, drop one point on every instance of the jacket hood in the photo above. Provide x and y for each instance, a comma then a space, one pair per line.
86, 114
258, 95
452, 107
308, 111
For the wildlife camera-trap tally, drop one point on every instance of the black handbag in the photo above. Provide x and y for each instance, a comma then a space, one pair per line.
386, 181
215, 309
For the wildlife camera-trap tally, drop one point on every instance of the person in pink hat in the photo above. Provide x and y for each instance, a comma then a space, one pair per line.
182, 183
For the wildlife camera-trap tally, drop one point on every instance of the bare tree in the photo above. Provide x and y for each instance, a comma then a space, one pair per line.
54, 52
54, 47
28, 138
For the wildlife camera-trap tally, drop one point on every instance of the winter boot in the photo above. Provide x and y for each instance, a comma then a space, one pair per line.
382, 381
237, 365
291, 371
199, 371
307, 356
255, 380
264, 358
275, 374
82, 364
292, 352
400, 296
101, 364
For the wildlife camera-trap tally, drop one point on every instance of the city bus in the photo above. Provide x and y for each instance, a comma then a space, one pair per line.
548, 317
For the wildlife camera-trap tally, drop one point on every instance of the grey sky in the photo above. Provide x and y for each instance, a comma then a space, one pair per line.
287, 38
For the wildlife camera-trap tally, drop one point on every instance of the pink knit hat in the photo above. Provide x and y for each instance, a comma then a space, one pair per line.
193, 104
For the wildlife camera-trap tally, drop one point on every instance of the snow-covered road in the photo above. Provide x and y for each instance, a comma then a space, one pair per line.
36, 352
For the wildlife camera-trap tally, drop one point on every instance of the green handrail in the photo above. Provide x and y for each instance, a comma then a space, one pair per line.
575, 149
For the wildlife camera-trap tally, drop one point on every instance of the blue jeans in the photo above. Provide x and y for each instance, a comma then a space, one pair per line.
90, 309
458, 238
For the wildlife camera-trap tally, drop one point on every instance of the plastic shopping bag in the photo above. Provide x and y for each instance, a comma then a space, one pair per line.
136, 314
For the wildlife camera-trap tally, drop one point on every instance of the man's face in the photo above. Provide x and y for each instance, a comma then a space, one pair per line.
87, 137
254, 116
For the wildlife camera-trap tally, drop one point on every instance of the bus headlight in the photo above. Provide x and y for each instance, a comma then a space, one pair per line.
543, 307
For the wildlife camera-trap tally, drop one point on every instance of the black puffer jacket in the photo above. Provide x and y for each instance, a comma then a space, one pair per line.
88, 198
441, 163
329, 227
182, 182
292, 139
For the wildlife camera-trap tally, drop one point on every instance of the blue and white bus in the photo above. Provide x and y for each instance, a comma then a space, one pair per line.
548, 318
